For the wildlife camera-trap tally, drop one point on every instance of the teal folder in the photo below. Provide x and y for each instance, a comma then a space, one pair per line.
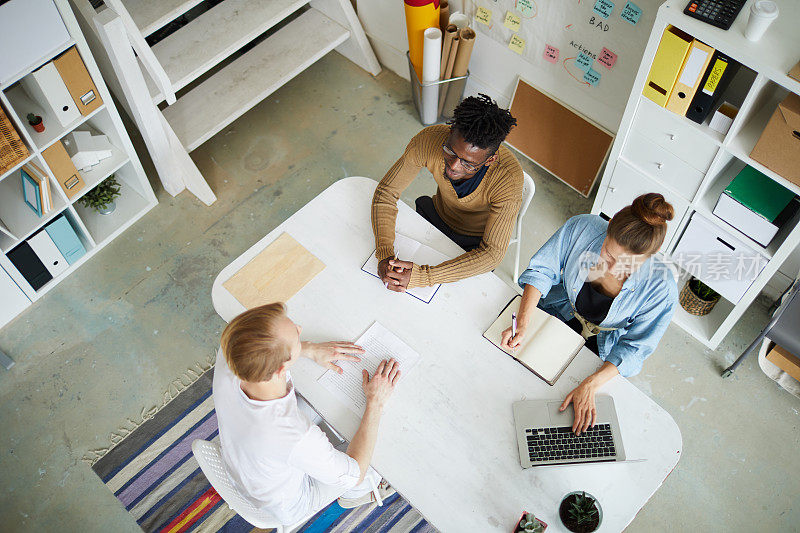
65, 239
759, 193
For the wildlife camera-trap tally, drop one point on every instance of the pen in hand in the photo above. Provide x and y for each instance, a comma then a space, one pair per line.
386, 284
513, 328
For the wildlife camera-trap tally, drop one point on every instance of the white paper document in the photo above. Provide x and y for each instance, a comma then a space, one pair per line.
407, 249
380, 344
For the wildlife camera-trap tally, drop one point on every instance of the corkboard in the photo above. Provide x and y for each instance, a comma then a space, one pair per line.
557, 138
276, 274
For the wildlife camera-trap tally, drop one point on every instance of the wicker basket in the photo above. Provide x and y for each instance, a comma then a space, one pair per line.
693, 304
12, 149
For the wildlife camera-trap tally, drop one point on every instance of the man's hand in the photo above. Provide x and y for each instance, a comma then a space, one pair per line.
324, 353
582, 398
398, 275
380, 387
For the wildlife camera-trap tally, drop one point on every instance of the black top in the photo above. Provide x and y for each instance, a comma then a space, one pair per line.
592, 304
466, 187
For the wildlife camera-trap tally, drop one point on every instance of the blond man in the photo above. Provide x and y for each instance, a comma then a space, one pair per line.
274, 454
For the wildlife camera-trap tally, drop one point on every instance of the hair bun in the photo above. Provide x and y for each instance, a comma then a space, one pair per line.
653, 209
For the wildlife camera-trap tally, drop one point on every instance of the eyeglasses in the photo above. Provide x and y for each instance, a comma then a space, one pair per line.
469, 167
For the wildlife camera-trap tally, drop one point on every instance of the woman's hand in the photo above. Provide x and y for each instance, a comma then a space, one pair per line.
509, 342
324, 353
582, 399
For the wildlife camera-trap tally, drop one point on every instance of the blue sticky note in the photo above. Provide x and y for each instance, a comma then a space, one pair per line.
631, 13
592, 76
584, 61
603, 8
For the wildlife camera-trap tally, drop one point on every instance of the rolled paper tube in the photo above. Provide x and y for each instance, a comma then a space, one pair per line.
420, 15
444, 15
432, 56
447, 72
449, 33
466, 40
460, 20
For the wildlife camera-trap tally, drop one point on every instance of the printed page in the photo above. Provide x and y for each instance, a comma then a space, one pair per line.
408, 249
380, 344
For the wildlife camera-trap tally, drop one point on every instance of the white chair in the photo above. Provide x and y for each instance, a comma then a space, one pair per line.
210, 460
528, 188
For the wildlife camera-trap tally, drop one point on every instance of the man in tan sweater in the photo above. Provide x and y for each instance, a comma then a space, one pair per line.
476, 203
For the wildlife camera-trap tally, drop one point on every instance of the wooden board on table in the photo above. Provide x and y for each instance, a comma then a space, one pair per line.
557, 138
274, 275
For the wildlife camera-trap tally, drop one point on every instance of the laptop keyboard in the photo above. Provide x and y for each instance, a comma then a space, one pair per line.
560, 443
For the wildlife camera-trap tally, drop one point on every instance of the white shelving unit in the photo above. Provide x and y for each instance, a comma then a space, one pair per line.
704, 160
186, 87
94, 230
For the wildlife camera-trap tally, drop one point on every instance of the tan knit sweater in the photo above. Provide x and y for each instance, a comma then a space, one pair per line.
490, 211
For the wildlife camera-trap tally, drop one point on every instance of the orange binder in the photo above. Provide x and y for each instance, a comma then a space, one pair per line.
63, 169
79, 84
695, 64
667, 65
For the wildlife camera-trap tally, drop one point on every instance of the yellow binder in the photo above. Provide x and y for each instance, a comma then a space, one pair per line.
689, 79
667, 65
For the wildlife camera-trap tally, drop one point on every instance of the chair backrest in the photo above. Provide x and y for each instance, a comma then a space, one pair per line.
209, 458
528, 189
785, 332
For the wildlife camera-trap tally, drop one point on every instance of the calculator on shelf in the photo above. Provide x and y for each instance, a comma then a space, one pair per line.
719, 13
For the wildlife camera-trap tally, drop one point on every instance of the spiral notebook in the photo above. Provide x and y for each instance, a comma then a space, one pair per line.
549, 345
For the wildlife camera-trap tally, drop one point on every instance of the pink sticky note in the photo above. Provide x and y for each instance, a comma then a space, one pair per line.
607, 58
551, 54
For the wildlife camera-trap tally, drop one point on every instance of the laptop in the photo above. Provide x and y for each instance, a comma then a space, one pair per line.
545, 437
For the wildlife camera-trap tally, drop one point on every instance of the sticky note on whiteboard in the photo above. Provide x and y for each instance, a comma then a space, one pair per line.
631, 13
512, 22
592, 76
603, 8
484, 16
607, 58
526, 7
517, 44
584, 61
551, 53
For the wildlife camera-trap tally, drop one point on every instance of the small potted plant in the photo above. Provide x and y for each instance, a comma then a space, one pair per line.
101, 198
36, 122
530, 524
580, 512
697, 298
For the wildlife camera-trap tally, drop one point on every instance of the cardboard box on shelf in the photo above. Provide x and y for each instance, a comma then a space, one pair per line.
778, 149
787, 362
795, 72
723, 118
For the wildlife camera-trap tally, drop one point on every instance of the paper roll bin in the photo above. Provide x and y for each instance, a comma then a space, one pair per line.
455, 85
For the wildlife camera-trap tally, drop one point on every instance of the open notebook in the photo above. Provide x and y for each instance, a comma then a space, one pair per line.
549, 345
408, 249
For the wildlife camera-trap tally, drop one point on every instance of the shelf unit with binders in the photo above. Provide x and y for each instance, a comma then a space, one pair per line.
657, 150
21, 227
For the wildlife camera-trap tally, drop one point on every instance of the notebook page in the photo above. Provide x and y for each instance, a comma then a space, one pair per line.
548, 346
380, 344
408, 249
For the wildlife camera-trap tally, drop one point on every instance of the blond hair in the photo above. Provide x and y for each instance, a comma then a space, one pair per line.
251, 347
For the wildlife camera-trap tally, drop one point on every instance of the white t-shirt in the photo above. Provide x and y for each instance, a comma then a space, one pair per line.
272, 451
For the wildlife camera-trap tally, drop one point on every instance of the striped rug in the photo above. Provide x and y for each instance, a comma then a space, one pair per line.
153, 473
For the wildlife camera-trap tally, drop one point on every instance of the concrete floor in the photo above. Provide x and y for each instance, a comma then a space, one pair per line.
109, 339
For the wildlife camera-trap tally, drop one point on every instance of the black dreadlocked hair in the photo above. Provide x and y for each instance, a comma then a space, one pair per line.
481, 122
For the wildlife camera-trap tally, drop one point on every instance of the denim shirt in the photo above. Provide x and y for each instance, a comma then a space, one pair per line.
642, 310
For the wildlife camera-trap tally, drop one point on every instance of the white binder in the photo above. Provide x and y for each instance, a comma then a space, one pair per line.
46, 249
48, 90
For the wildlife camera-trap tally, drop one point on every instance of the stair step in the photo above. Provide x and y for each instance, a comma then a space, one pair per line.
216, 34
252, 77
150, 15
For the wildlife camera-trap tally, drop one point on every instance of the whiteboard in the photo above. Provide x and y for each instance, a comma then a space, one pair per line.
557, 35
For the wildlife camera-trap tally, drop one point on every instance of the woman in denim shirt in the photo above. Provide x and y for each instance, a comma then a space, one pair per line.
599, 278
